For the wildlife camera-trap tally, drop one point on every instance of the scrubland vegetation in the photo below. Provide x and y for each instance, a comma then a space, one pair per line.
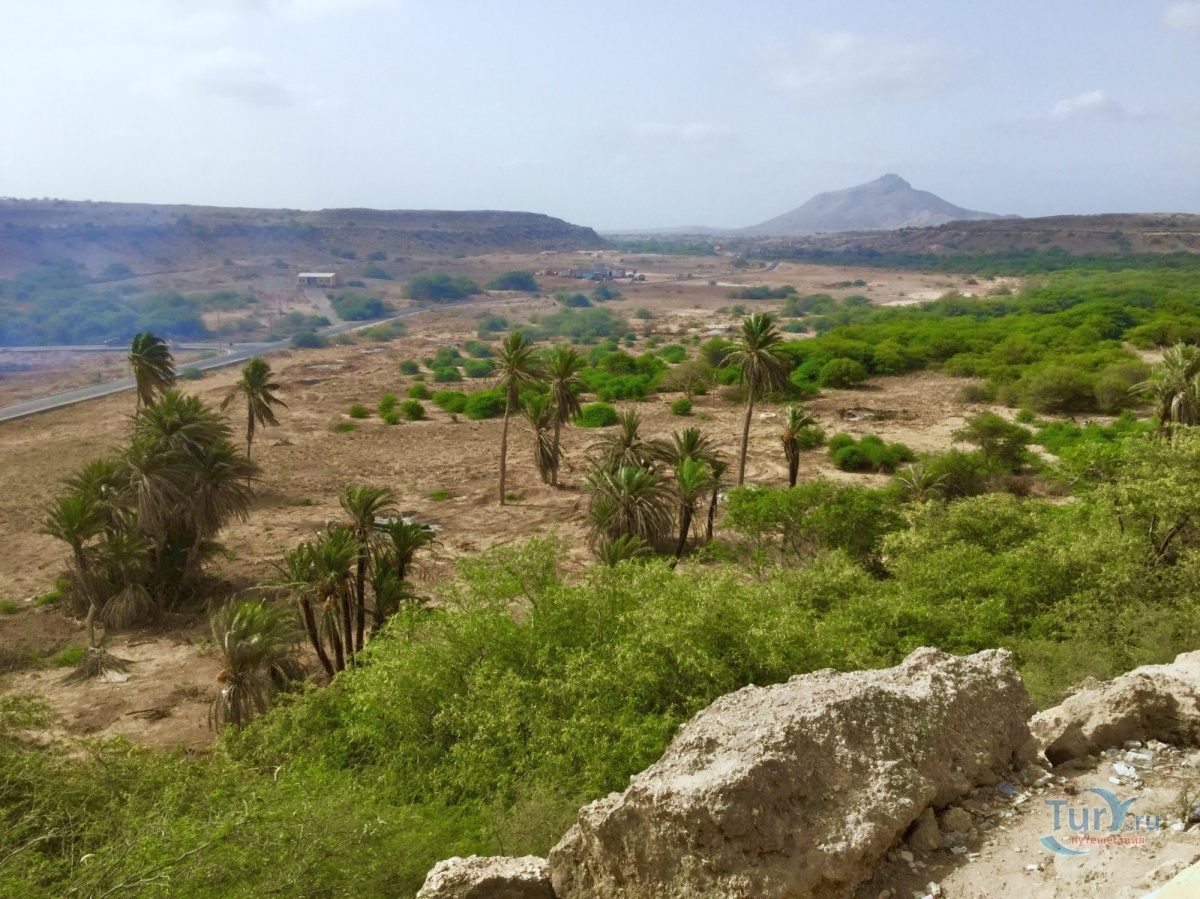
478, 723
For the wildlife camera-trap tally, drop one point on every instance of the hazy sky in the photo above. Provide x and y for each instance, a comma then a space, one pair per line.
614, 114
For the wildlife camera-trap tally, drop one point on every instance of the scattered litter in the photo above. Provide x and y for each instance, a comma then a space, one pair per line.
1006, 788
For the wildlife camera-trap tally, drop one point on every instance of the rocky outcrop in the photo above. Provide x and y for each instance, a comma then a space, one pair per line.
488, 878
798, 789
1155, 702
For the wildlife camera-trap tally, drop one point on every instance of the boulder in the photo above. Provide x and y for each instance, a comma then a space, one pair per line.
488, 878
798, 789
1155, 702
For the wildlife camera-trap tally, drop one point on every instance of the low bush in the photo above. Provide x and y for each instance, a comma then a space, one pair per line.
358, 410
450, 400
484, 404
681, 406
419, 392
409, 367
309, 340
412, 410
842, 374
478, 368
387, 403
596, 415
868, 454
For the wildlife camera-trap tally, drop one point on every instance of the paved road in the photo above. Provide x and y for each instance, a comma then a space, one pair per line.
233, 354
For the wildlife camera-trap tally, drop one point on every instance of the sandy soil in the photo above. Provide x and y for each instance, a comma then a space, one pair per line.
306, 466
1007, 859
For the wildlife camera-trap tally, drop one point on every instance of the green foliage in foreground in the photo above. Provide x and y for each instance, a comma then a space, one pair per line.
473, 729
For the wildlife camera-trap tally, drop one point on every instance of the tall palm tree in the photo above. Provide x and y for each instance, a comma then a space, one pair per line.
539, 412
517, 367
298, 575
718, 470
153, 367
692, 482
407, 537
76, 519
364, 506
759, 368
631, 501
257, 644
625, 448
259, 391
563, 365
216, 494
1174, 387
334, 553
795, 420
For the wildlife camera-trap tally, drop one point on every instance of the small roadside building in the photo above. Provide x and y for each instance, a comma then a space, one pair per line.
318, 279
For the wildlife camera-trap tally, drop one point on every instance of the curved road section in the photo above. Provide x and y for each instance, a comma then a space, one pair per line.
235, 354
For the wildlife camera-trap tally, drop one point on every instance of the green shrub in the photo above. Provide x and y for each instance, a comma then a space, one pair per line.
673, 353
597, 415
868, 454
484, 404
191, 373
391, 417
446, 375
1026, 416
387, 403
478, 368
440, 495
8, 607
309, 340
514, 280
643, 313
450, 400
490, 326
419, 392
377, 272
842, 374
412, 410
409, 367
681, 406
358, 410
440, 287
345, 427
358, 307
477, 350
384, 332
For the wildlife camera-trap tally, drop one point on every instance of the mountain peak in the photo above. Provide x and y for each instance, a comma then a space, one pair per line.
884, 204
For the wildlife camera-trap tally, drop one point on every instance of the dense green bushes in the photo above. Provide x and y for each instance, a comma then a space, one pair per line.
358, 307
868, 454
514, 280
597, 415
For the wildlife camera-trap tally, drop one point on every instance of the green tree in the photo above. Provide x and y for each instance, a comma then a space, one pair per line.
693, 480
259, 391
539, 412
517, 368
794, 422
626, 448
256, 643
364, 506
563, 365
77, 519
1174, 387
754, 355
631, 501
1001, 442
153, 367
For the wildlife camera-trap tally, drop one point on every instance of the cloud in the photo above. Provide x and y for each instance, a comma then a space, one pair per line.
690, 132
1093, 106
840, 64
1183, 17
245, 86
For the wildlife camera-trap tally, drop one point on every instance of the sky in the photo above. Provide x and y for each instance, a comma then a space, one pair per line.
616, 115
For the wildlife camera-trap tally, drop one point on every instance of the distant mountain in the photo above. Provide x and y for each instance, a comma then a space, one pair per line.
882, 205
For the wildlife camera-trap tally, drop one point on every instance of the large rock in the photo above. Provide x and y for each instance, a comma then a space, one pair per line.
797, 790
1155, 702
488, 878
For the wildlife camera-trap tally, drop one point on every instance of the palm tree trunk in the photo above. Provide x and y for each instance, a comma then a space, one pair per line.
554, 470
685, 522
745, 435
249, 438
314, 635
360, 597
347, 628
504, 449
793, 465
90, 624
712, 514
335, 639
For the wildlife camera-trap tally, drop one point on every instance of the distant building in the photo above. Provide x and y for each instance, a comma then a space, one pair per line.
318, 279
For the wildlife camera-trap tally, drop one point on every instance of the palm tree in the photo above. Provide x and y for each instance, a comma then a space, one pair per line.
718, 470
625, 548
407, 537
76, 519
1174, 387
563, 365
691, 444
364, 506
625, 448
919, 483
216, 493
539, 412
795, 420
759, 369
517, 367
334, 552
692, 481
632, 501
256, 641
259, 390
153, 367
298, 575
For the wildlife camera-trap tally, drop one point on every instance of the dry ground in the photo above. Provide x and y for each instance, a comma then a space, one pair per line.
306, 465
